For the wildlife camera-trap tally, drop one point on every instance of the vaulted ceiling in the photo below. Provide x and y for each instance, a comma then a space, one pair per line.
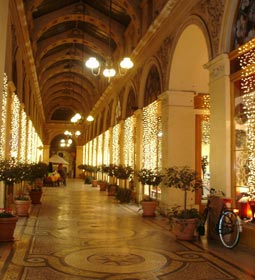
64, 34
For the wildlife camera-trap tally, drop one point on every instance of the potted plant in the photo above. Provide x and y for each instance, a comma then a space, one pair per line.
123, 172
151, 178
7, 225
183, 220
102, 185
22, 205
112, 186
35, 176
36, 192
123, 195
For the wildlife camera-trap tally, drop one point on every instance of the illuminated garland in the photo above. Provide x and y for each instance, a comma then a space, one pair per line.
86, 159
106, 148
29, 141
3, 117
90, 153
34, 145
23, 136
115, 144
100, 150
152, 153
129, 152
247, 63
206, 130
94, 153
15, 122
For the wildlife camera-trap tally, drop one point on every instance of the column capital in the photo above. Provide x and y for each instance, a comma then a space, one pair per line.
177, 98
218, 67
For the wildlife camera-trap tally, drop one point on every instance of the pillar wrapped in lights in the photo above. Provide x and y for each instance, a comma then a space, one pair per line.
23, 136
94, 152
129, 152
115, 144
15, 122
152, 136
29, 140
100, 150
3, 119
247, 63
106, 147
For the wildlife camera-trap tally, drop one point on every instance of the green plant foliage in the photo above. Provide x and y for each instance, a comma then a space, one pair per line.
149, 177
123, 195
185, 179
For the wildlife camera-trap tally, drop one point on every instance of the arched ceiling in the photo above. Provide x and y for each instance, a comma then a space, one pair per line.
64, 33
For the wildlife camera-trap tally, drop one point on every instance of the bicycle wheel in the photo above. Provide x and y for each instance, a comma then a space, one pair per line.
229, 229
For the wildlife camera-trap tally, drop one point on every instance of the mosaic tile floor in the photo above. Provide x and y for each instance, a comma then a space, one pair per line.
79, 232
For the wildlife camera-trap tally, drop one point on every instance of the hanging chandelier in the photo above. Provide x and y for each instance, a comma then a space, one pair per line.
67, 141
109, 71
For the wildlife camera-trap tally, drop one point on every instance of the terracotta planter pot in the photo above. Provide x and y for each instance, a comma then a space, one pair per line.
22, 207
35, 197
94, 183
149, 208
102, 186
184, 228
112, 190
7, 227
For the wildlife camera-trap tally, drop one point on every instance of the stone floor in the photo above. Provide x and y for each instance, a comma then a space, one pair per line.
79, 232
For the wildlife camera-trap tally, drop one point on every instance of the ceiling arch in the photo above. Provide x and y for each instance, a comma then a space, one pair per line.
65, 33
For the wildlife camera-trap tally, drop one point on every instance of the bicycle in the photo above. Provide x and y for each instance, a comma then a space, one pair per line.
228, 227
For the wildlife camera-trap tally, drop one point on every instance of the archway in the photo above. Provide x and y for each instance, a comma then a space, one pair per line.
67, 152
189, 85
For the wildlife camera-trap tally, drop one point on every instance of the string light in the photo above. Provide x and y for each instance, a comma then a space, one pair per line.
15, 118
100, 150
106, 147
94, 152
23, 136
3, 117
90, 152
29, 140
247, 63
151, 142
115, 144
128, 148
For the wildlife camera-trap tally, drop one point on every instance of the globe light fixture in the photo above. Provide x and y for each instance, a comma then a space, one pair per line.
109, 71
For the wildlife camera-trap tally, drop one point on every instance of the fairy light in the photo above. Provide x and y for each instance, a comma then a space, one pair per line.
86, 160
39, 153
115, 144
100, 149
128, 148
23, 136
15, 122
151, 142
94, 153
106, 148
3, 116
34, 144
247, 63
29, 141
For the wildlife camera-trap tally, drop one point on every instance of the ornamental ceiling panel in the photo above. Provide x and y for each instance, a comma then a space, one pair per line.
64, 34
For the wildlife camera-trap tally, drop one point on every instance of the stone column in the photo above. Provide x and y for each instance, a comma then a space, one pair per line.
46, 153
178, 126
220, 122
178, 140
4, 6
138, 150
79, 160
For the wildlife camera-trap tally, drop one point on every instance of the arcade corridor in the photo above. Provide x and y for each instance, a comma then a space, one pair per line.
79, 232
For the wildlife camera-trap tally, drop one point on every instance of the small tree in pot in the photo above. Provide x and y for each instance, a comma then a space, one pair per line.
185, 179
151, 178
